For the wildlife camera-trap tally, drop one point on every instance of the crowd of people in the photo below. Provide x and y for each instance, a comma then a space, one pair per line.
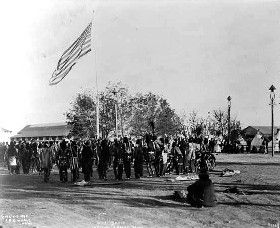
159, 155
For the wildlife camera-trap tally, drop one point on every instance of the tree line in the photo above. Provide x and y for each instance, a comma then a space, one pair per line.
138, 114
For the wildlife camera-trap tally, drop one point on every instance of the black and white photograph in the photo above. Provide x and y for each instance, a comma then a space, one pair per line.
140, 113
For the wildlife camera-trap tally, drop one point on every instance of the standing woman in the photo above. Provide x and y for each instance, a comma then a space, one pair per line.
12, 158
138, 159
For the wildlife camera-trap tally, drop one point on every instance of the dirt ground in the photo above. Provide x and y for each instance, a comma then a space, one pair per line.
26, 201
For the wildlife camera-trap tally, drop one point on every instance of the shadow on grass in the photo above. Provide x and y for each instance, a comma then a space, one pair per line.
91, 200
100, 193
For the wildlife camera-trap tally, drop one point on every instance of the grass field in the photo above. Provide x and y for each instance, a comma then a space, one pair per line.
146, 202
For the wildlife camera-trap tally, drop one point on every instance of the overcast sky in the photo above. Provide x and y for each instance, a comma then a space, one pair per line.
194, 53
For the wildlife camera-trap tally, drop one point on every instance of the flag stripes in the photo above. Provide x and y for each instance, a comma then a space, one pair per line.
69, 58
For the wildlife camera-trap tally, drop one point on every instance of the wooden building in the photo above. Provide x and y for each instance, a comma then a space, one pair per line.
49, 131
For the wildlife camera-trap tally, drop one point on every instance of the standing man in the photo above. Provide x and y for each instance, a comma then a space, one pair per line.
63, 161
158, 157
177, 158
138, 159
115, 148
183, 148
120, 159
104, 160
165, 152
46, 161
74, 164
87, 157
150, 155
127, 157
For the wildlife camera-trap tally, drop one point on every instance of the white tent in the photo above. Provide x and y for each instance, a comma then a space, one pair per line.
257, 141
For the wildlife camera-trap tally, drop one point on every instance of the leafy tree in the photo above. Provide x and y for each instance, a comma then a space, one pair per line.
135, 113
114, 94
144, 111
82, 116
167, 122
150, 108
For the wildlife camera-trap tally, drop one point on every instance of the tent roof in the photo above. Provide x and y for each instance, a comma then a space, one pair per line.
44, 130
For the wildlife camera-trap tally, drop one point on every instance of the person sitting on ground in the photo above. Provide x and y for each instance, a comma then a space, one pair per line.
202, 192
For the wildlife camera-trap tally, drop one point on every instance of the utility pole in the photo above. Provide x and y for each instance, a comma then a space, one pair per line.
229, 106
272, 98
121, 116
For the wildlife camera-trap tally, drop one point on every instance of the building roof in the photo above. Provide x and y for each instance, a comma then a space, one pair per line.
44, 130
264, 130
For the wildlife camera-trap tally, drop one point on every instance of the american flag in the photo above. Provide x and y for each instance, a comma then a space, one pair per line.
70, 57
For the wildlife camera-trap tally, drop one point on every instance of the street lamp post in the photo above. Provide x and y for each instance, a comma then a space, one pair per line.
229, 106
272, 98
121, 116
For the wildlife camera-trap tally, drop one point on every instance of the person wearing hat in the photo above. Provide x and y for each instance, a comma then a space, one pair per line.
202, 192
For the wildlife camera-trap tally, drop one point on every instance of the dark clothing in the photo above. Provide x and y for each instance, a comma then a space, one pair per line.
26, 159
119, 156
183, 147
177, 160
127, 168
138, 162
115, 159
127, 157
87, 161
149, 157
87, 171
202, 193
104, 159
158, 160
74, 162
63, 163
12, 151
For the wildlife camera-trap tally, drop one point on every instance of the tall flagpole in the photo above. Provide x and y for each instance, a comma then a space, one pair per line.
96, 78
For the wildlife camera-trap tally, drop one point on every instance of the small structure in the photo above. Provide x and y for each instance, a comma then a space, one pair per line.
49, 131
